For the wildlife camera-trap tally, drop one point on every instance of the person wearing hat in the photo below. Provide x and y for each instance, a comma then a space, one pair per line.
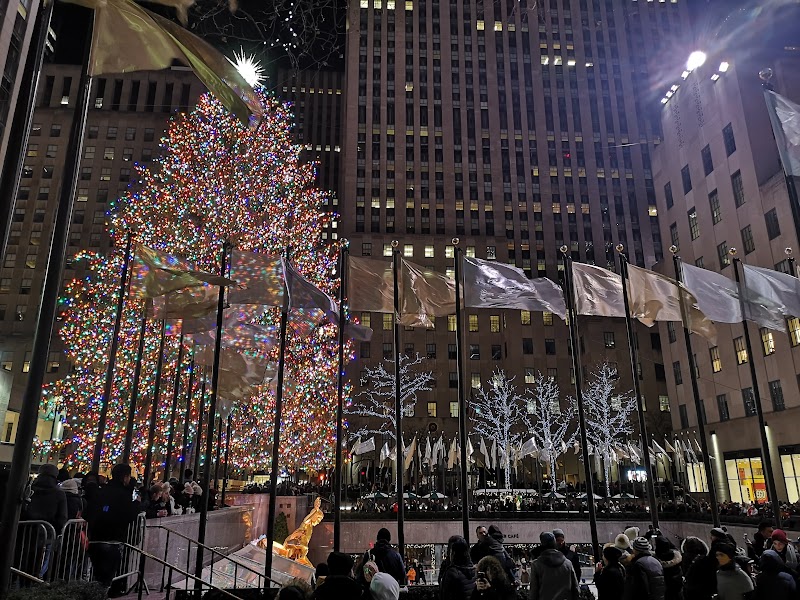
48, 502
774, 582
72, 490
609, 576
571, 556
670, 560
386, 557
490, 543
458, 580
552, 575
732, 582
700, 575
781, 545
384, 587
645, 577
339, 583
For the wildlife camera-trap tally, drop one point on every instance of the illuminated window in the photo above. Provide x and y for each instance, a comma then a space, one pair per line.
366, 319
428, 251
494, 323
746, 479
608, 339
454, 409
449, 251
431, 409
716, 361
767, 341
793, 325
473, 323
387, 249
408, 250
663, 403
481, 25
530, 375
525, 317
741, 350
388, 321
547, 318
451, 322
475, 380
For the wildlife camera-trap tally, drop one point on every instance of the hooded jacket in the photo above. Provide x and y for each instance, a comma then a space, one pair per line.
48, 502
388, 560
492, 545
732, 582
458, 582
553, 578
701, 572
645, 579
774, 583
673, 576
610, 582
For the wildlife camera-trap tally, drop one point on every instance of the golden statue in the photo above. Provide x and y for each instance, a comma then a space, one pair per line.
295, 546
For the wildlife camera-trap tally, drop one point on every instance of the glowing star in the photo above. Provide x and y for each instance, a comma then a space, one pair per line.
248, 67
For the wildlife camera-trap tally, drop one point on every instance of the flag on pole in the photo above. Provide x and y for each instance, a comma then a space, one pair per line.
717, 296
487, 460
598, 291
156, 273
304, 294
237, 331
528, 448
128, 38
424, 294
370, 285
668, 446
489, 284
493, 457
192, 302
785, 118
355, 445
778, 291
408, 454
659, 450
385, 452
259, 279
470, 450
452, 456
364, 447
426, 459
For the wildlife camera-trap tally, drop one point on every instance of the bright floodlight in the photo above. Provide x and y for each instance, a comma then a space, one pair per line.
696, 59
249, 68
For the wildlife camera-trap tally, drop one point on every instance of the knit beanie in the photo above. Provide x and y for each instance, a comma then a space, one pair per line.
663, 545
49, 469
383, 534
622, 542
558, 533
779, 535
632, 532
726, 548
641, 544
384, 587
612, 554
547, 540
719, 533
70, 486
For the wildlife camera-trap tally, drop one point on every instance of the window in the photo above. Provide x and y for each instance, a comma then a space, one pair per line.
684, 416
26, 363
550, 347
530, 375
366, 319
527, 345
451, 322
388, 321
668, 194
722, 405
547, 319
30, 261
747, 240
673, 235
451, 352
365, 350
108, 153
722, 254
497, 352
749, 402
387, 250
130, 133
738, 188
25, 286
452, 380
746, 479
105, 174
408, 250
432, 409
686, 178
453, 409
694, 226
730, 141
366, 249
473, 323
494, 323
149, 134
408, 411
708, 163
388, 351
716, 211
475, 380
608, 339
93, 132
525, 317
53, 362
793, 325
676, 371
430, 351
767, 341
716, 361
7, 361
741, 350
111, 133
474, 352
773, 225
663, 403
19, 314
671, 332
776, 394
33, 150
55, 130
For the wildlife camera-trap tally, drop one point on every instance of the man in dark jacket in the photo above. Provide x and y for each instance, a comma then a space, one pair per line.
552, 575
339, 583
48, 502
761, 540
670, 560
774, 582
490, 543
109, 514
645, 577
571, 556
609, 577
387, 558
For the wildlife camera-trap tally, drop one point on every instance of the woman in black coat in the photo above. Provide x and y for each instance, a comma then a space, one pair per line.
670, 560
458, 582
492, 583
609, 578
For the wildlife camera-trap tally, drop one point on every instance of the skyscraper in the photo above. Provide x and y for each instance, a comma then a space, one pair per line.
517, 127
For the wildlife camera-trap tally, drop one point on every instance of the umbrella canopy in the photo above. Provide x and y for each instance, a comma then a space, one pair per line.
435, 496
410, 496
584, 495
555, 495
375, 496
625, 495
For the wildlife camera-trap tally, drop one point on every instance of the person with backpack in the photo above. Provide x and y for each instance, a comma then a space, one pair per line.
645, 577
387, 558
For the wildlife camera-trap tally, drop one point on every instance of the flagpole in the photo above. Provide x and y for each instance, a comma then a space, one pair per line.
398, 408
337, 480
219, 453
201, 406
276, 438
766, 458
151, 431
701, 426
134, 399
112, 359
462, 402
186, 414
569, 296
19, 133
632, 350
212, 410
227, 455
175, 393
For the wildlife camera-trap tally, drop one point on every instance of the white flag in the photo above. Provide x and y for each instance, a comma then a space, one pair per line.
785, 117
385, 453
487, 460
470, 450
355, 445
717, 296
668, 446
528, 448
426, 460
774, 291
364, 447
493, 457
597, 291
408, 454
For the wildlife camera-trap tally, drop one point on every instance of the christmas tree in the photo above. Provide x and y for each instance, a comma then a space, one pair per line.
216, 181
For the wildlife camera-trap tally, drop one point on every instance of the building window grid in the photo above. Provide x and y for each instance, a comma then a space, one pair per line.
767, 341
741, 350
716, 361
776, 394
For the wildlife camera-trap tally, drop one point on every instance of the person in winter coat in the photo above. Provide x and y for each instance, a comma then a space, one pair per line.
781, 545
458, 580
732, 582
490, 543
701, 574
609, 576
644, 576
492, 583
670, 560
75, 504
762, 540
387, 558
774, 582
569, 554
552, 575
446, 560
339, 583
384, 587
48, 502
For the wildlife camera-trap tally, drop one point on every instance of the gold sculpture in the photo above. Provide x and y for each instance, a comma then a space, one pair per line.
295, 546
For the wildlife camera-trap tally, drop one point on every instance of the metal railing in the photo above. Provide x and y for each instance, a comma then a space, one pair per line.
33, 552
212, 553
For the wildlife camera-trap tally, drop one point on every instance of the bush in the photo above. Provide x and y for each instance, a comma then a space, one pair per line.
73, 590
281, 528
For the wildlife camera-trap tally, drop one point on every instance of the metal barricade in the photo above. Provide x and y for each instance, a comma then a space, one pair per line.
130, 552
34, 551
73, 563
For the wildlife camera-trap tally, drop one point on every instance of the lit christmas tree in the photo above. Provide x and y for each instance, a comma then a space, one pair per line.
216, 181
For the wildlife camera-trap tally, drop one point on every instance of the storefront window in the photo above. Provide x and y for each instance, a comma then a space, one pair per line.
746, 479
697, 477
790, 461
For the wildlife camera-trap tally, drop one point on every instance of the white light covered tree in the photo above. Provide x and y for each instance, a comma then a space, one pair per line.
607, 415
548, 421
499, 415
376, 398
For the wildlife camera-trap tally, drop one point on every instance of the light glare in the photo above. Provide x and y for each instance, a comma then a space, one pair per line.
249, 68
696, 59
723, 67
